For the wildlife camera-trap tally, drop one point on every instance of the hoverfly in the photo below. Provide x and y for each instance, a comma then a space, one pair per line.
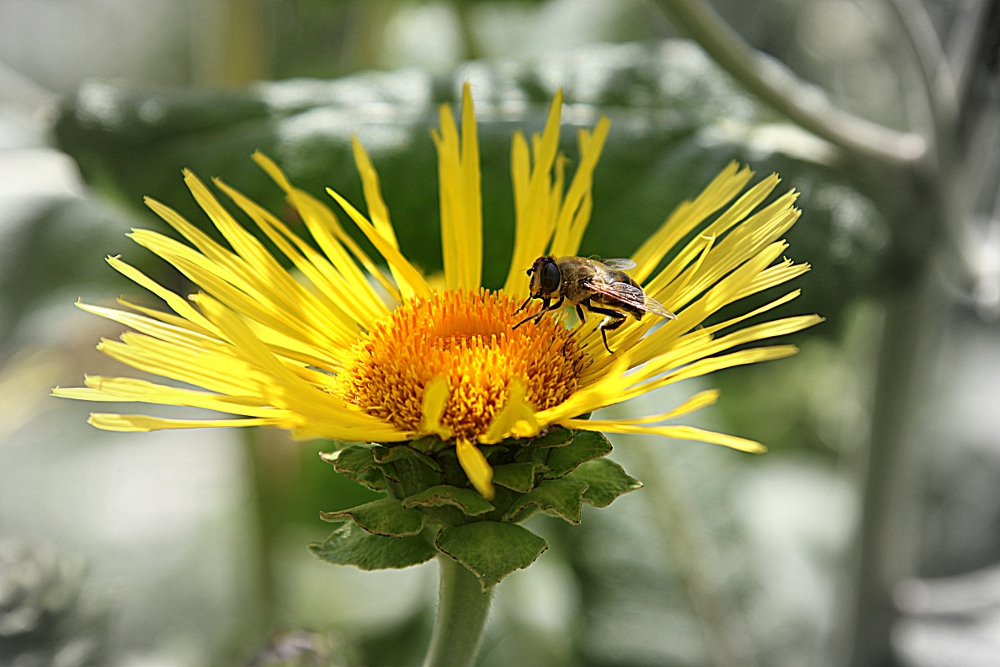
599, 286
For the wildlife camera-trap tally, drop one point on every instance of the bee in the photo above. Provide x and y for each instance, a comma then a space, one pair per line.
598, 286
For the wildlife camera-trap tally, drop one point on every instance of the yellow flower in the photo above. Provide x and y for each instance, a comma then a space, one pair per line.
329, 354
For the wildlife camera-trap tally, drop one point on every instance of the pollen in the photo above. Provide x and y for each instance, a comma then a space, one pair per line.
467, 338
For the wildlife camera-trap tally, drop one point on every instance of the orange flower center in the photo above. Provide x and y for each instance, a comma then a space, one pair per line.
469, 339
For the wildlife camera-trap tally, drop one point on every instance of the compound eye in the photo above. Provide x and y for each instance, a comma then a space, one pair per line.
548, 277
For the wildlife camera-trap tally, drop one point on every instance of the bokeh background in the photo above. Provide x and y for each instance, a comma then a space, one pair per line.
868, 536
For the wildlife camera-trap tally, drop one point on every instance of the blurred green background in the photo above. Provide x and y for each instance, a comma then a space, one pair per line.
870, 533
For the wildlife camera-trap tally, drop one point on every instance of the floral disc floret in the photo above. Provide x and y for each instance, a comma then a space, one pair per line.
468, 339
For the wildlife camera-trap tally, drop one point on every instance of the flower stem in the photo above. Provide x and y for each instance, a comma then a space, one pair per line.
461, 616
775, 85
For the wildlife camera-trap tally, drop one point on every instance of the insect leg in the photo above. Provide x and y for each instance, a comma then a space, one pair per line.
618, 319
557, 306
582, 315
523, 305
535, 316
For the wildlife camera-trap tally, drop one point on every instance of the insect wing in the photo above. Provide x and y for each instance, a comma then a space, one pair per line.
631, 295
618, 263
655, 307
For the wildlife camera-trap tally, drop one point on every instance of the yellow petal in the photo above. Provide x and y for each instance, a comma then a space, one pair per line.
461, 197
520, 169
689, 215
330, 236
570, 225
517, 417
290, 310
710, 365
794, 294
436, 395
122, 390
172, 333
535, 217
472, 215
407, 274
603, 391
338, 294
175, 301
691, 433
476, 468
754, 236
700, 400
218, 371
377, 210
697, 402
680, 433
143, 424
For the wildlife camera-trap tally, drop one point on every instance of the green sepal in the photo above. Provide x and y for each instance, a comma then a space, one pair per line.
606, 481
352, 545
557, 436
373, 478
537, 455
353, 458
453, 473
447, 515
383, 454
492, 450
407, 471
491, 550
357, 463
430, 444
586, 446
503, 501
385, 516
562, 498
466, 500
516, 476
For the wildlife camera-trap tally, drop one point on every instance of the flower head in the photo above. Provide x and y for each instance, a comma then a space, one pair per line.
346, 351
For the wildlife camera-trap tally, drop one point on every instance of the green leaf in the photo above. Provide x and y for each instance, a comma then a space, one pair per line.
352, 545
586, 446
357, 463
467, 500
558, 497
490, 549
606, 481
386, 516
556, 437
516, 476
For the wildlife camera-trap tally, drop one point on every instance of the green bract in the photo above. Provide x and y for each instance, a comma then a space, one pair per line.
431, 506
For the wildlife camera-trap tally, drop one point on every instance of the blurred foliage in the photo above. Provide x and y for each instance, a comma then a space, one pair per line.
676, 121
63, 245
299, 648
46, 617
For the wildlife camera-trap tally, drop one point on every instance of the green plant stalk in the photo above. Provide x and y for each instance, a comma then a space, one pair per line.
776, 86
461, 616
